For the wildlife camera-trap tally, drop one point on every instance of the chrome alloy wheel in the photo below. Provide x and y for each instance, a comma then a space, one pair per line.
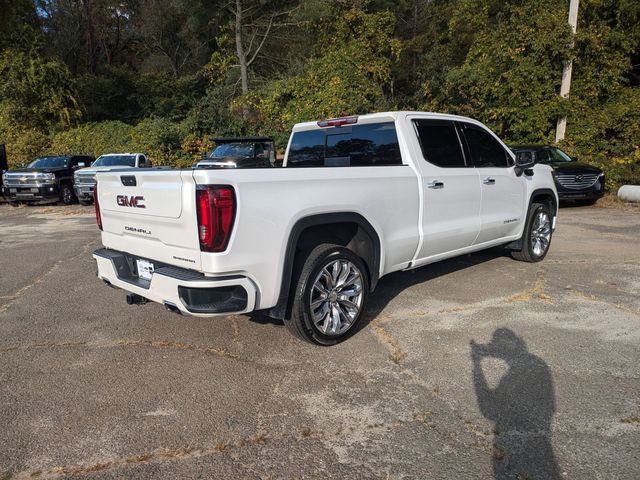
336, 297
540, 233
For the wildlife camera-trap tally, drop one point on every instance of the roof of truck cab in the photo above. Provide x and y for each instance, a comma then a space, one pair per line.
118, 154
382, 116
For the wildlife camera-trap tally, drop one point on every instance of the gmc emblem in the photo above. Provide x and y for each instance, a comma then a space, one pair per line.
132, 201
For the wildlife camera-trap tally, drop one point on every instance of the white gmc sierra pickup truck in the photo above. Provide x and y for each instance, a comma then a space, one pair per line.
356, 198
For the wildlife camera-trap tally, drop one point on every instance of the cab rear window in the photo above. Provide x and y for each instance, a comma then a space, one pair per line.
367, 145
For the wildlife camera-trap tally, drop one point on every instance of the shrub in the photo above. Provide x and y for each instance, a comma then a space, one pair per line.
94, 139
25, 145
159, 138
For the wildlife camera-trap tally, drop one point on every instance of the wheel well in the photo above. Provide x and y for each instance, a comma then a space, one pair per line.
349, 235
545, 197
348, 230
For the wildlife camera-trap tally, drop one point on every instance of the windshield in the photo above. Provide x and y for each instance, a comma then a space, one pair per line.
50, 162
115, 160
553, 155
233, 150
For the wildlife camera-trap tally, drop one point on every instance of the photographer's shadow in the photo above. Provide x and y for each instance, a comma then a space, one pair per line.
521, 407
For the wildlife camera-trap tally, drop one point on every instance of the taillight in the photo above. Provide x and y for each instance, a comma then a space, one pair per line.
96, 203
216, 211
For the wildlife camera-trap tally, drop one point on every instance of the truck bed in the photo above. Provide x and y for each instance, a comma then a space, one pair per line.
156, 218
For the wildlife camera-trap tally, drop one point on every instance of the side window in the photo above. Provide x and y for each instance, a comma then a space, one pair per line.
366, 145
542, 155
306, 149
485, 150
558, 155
440, 143
142, 162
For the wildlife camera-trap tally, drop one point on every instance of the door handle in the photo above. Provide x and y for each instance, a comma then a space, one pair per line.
488, 181
435, 184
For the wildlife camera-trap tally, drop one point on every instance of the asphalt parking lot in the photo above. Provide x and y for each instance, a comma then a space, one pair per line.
477, 367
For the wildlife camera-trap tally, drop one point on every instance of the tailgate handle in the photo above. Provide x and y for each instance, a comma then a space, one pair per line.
128, 180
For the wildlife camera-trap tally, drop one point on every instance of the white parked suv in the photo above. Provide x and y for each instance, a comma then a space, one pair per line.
84, 179
357, 198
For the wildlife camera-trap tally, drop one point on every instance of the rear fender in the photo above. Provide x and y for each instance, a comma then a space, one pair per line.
283, 307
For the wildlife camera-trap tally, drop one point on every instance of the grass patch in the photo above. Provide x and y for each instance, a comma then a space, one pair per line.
631, 420
611, 200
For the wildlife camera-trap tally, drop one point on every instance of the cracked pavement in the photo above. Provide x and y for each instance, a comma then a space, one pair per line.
475, 367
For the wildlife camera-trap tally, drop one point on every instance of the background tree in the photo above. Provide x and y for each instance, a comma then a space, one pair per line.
168, 75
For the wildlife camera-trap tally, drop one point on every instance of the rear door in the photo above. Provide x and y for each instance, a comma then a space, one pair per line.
502, 190
451, 214
150, 213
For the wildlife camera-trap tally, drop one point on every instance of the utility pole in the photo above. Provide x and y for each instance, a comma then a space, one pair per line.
565, 86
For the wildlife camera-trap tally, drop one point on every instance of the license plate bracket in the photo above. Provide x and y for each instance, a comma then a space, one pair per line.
145, 269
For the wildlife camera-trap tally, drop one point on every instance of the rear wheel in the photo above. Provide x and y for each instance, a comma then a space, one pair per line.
331, 294
536, 237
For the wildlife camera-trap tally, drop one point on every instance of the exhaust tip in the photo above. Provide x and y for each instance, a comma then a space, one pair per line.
172, 308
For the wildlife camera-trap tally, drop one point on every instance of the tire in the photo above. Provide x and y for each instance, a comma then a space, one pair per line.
322, 313
66, 194
85, 202
14, 204
536, 238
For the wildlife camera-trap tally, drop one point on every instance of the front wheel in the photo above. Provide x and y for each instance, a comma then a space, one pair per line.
536, 237
331, 294
66, 195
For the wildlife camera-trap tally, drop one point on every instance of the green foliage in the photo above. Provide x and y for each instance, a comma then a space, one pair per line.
161, 95
609, 135
24, 145
511, 73
109, 95
162, 76
348, 75
18, 24
93, 139
36, 91
159, 138
212, 116
117, 93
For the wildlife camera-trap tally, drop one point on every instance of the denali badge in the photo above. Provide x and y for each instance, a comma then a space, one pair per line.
137, 230
132, 201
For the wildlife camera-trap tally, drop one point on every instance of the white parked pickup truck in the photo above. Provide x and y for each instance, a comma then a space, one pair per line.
84, 179
357, 198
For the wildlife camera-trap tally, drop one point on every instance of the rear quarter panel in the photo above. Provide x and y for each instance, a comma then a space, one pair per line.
271, 201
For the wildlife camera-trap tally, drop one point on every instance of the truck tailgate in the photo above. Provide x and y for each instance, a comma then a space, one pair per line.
151, 214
